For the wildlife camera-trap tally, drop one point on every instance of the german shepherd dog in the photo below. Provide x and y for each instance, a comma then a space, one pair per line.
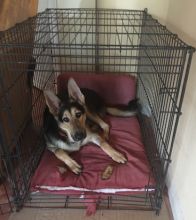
69, 120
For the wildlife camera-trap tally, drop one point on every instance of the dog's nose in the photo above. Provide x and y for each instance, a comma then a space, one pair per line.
79, 135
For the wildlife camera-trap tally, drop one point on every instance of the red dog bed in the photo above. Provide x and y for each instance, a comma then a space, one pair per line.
125, 136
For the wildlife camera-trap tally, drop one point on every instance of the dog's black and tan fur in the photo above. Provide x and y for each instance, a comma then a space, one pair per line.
68, 122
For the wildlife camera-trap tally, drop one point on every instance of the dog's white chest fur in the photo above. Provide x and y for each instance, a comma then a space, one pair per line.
62, 145
69, 147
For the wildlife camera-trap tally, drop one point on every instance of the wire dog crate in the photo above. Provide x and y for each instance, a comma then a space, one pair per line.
36, 51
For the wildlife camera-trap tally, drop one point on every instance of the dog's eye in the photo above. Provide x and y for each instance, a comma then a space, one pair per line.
78, 114
66, 119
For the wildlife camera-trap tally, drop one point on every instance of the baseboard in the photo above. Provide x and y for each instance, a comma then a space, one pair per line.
168, 204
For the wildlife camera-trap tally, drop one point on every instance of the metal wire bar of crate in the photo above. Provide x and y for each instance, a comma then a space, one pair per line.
36, 51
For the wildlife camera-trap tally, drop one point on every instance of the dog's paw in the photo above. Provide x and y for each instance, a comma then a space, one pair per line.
118, 157
74, 167
106, 130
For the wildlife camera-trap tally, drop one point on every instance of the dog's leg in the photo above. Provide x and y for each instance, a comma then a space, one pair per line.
95, 118
72, 164
108, 149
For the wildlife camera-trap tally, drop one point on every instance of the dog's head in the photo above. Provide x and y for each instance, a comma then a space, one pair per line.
70, 113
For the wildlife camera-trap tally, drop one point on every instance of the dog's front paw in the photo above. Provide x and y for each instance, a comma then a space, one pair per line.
118, 157
74, 166
106, 130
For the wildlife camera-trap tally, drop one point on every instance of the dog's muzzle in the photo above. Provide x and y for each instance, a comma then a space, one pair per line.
79, 136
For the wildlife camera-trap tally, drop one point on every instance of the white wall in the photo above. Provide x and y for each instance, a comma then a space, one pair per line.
182, 176
76, 4
43, 4
158, 8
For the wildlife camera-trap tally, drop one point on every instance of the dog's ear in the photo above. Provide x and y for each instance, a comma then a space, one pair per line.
74, 91
52, 101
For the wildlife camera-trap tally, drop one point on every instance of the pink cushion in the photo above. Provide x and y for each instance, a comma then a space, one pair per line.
114, 89
125, 137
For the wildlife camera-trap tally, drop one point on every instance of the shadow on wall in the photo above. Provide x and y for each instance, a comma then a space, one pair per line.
185, 136
189, 104
87, 4
191, 40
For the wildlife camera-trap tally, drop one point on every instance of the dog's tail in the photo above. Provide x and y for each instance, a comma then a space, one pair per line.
124, 110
